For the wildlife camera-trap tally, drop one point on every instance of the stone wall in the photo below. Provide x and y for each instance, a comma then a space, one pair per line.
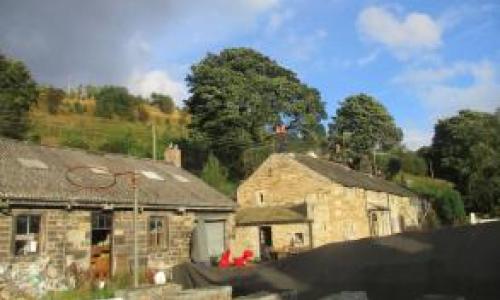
281, 180
176, 250
64, 237
245, 237
283, 234
348, 215
65, 240
5, 238
174, 292
338, 212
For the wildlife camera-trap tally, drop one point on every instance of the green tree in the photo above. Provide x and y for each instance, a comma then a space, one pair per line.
466, 151
115, 101
51, 97
360, 126
445, 200
17, 93
239, 95
165, 103
216, 175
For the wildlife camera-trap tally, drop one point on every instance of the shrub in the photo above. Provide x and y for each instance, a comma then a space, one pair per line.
216, 175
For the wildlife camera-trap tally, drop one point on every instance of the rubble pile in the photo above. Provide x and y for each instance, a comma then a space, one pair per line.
31, 280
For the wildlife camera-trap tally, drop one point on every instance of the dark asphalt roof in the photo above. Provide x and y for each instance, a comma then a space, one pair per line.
348, 177
271, 215
22, 177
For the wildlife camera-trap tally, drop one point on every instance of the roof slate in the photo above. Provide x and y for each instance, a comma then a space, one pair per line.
351, 178
51, 185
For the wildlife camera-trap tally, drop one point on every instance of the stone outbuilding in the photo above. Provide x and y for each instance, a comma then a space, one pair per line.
74, 209
294, 201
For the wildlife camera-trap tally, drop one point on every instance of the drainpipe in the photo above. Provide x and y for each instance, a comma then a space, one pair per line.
311, 235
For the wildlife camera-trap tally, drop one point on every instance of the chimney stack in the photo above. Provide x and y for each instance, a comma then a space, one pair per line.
172, 155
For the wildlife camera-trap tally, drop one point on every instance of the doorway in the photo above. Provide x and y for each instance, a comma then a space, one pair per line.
215, 238
265, 242
100, 249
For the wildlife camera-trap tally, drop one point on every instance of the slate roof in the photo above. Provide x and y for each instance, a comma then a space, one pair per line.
350, 178
271, 215
20, 180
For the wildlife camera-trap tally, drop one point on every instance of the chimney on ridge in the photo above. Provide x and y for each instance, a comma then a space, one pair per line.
172, 155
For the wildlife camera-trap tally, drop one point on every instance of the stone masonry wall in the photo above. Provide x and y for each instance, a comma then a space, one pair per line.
283, 234
5, 238
339, 213
281, 180
176, 250
349, 219
64, 237
245, 237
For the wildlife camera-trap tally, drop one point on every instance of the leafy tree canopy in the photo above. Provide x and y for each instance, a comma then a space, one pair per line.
466, 151
164, 102
216, 175
51, 98
17, 93
239, 95
115, 101
360, 125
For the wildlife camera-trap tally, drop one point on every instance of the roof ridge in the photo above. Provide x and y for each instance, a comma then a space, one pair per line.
86, 151
371, 182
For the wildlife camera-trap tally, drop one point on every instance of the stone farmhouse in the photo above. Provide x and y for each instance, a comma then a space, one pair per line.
295, 201
48, 212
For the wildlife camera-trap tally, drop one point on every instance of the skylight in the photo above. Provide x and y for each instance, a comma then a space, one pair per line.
152, 175
32, 163
180, 178
100, 170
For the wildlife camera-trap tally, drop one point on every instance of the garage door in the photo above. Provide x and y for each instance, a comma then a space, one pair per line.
215, 238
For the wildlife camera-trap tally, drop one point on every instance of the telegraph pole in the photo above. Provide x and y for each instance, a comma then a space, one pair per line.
153, 132
136, 258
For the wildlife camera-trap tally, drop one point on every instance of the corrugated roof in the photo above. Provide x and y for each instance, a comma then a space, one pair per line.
50, 184
271, 215
347, 177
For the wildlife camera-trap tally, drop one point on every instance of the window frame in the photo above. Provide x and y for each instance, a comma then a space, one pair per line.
28, 236
161, 238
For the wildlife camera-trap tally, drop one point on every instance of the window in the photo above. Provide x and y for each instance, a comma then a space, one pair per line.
259, 198
26, 239
298, 239
157, 233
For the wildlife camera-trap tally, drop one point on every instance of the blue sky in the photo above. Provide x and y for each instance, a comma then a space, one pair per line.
424, 60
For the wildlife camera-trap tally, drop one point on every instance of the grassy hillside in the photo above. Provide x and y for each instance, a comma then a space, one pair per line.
74, 125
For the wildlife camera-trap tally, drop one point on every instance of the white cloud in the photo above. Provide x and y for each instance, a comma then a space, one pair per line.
260, 5
277, 19
462, 85
303, 47
371, 57
404, 36
416, 138
145, 83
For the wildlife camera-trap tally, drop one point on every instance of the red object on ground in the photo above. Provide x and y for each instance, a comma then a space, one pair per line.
225, 260
242, 261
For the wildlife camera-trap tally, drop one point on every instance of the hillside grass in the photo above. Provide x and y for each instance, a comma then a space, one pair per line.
74, 125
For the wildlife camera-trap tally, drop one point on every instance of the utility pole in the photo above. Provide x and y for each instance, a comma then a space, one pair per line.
153, 131
136, 258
